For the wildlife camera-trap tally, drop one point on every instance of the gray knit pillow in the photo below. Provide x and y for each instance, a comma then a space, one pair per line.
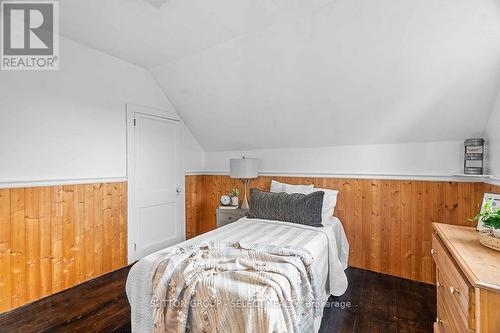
296, 207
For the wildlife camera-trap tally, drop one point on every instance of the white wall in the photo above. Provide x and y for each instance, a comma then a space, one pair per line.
427, 160
493, 139
194, 156
70, 124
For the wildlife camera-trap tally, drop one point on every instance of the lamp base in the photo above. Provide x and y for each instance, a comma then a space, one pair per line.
244, 204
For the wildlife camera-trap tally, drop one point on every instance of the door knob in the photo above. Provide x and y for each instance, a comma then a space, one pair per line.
178, 190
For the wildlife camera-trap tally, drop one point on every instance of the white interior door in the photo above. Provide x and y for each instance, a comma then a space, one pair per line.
155, 188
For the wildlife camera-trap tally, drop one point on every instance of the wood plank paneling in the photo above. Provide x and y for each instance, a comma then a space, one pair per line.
52, 238
5, 251
388, 222
45, 242
56, 238
32, 213
18, 248
68, 239
191, 206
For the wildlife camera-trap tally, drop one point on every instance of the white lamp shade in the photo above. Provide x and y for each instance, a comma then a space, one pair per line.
244, 168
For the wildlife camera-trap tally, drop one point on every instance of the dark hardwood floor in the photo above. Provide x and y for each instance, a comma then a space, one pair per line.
382, 303
378, 303
99, 305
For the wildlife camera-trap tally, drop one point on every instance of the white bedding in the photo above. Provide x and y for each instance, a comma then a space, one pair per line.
282, 233
327, 245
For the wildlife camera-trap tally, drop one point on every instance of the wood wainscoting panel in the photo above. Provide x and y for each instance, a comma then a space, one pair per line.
55, 237
388, 222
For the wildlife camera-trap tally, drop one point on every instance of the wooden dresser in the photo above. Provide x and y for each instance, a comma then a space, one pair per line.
467, 281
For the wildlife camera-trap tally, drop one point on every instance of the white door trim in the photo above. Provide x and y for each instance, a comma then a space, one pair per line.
131, 110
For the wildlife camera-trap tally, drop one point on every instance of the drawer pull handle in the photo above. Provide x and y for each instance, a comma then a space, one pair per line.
454, 290
433, 251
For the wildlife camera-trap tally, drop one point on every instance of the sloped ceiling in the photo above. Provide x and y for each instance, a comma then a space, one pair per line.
252, 74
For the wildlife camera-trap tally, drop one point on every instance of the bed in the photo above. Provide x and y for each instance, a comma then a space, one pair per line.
327, 247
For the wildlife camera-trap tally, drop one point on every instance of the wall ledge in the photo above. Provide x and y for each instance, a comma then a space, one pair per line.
58, 182
422, 177
494, 180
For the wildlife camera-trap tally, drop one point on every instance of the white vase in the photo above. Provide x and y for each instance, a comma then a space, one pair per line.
496, 233
234, 201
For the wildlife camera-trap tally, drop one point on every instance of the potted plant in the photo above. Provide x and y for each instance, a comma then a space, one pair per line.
489, 217
234, 196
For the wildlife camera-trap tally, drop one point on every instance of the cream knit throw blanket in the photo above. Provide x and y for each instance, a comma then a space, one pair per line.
234, 287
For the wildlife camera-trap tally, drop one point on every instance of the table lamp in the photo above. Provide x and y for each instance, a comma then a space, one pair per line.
244, 168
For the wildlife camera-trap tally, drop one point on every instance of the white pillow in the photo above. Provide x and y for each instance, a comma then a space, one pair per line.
329, 202
276, 187
304, 189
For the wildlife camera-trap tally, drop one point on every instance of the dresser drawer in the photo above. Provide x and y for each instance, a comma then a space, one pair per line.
228, 216
438, 328
450, 318
452, 286
443, 322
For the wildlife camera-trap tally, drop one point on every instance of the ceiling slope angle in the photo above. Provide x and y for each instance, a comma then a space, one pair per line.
281, 74
152, 32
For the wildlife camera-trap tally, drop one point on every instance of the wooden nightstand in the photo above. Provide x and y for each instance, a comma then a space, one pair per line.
226, 216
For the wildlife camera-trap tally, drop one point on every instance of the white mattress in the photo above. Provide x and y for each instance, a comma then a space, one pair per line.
328, 246
282, 233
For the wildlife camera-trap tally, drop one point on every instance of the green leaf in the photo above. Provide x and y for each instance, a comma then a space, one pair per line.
493, 222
